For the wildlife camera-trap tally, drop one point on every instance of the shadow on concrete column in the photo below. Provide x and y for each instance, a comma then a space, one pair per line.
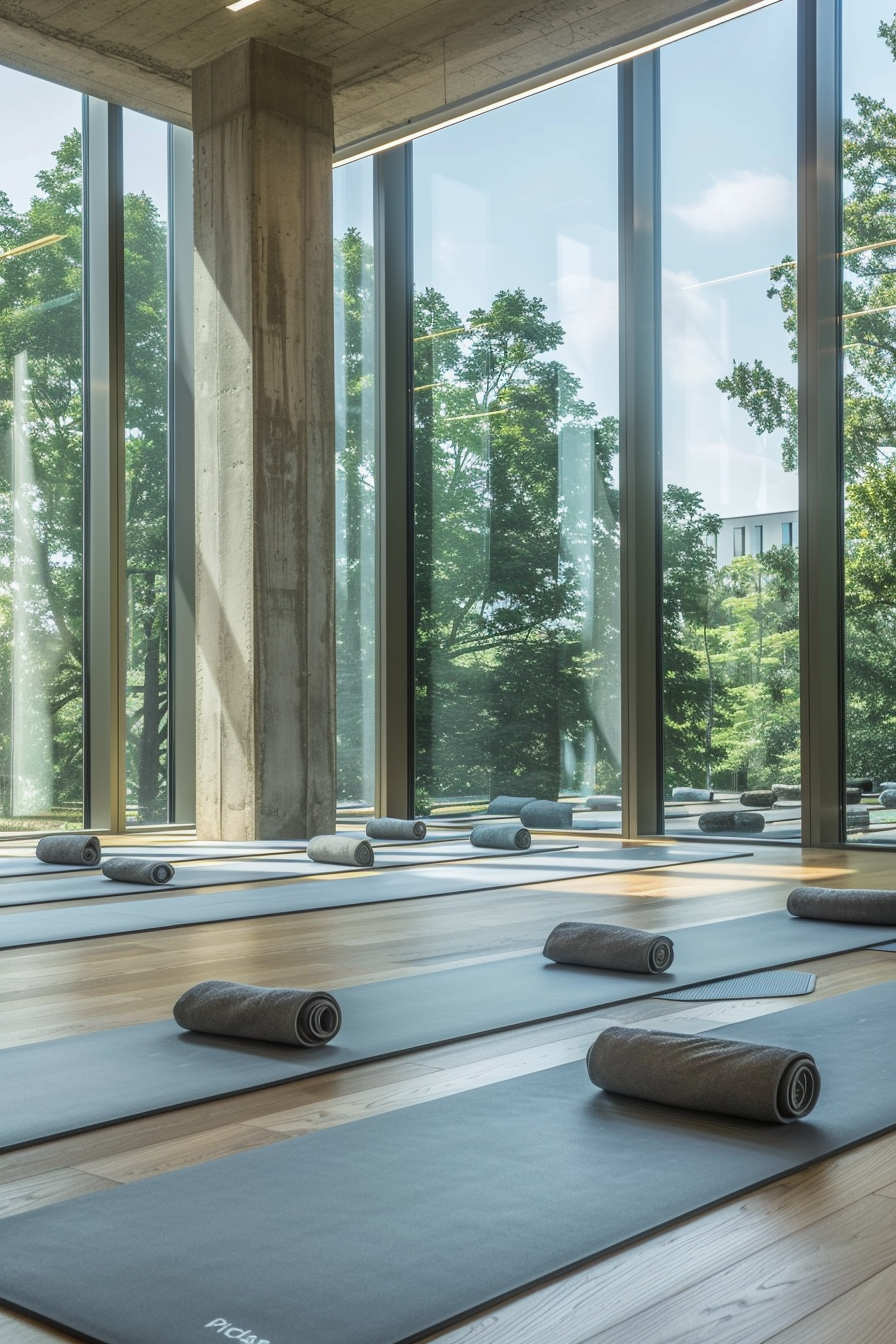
265, 446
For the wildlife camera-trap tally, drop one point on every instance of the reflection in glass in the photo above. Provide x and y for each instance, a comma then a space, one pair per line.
41, 699
869, 430
515, 452
146, 465
730, 587
355, 486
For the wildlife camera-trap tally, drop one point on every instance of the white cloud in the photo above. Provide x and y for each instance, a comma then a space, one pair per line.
739, 200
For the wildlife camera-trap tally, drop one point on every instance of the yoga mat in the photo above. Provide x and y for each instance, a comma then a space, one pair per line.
762, 985
80, 1082
391, 1227
94, 886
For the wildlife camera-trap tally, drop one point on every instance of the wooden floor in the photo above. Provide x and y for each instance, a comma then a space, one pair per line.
808, 1260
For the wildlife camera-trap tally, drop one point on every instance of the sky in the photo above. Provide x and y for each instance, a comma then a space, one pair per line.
34, 117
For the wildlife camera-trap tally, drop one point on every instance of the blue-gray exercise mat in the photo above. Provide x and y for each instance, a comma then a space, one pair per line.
81, 1082
386, 1229
68, 923
91, 885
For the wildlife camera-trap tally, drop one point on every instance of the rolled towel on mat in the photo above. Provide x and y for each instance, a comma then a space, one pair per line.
84, 850
857, 818
341, 849
609, 947
604, 802
887, 798
500, 837
717, 822
308, 1017
393, 828
857, 906
145, 872
865, 785
506, 805
757, 798
680, 795
787, 793
547, 815
705, 1073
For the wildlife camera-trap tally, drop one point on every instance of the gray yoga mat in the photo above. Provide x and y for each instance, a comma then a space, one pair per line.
388, 1228
762, 985
80, 1082
263, 868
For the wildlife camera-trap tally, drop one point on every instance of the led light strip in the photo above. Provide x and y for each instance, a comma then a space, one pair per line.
527, 86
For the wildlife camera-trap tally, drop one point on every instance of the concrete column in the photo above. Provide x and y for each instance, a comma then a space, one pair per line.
265, 446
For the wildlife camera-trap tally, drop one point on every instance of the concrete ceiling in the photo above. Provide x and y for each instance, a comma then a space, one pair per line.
393, 61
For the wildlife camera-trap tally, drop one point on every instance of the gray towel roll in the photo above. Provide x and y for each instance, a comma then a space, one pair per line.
888, 784
84, 850
857, 906
506, 805
609, 947
715, 822
603, 802
865, 785
394, 828
680, 795
340, 849
887, 798
706, 1073
309, 1017
500, 837
146, 872
787, 793
857, 818
547, 815
757, 798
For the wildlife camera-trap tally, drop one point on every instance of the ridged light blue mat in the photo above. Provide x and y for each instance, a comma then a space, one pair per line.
762, 985
79, 1082
385, 1229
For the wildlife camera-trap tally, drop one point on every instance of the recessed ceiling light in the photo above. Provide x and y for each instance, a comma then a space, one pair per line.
242, 4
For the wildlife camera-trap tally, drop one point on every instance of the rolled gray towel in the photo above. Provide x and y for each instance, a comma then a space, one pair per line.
787, 793
500, 837
857, 906
715, 822
308, 1017
83, 850
394, 828
341, 849
888, 784
547, 815
887, 798
680, 795
146, 872
864, 785
857, 818
706, 1073
506, 805
603, 802
853, 797
757, 798
609, 947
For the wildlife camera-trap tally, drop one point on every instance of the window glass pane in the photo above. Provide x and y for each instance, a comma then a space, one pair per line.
146, 464
355, 494
731, 621
516, 459
869, 438
41, 478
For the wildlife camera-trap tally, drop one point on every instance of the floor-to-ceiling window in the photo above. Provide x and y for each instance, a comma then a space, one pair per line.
41, 474
869, 410
145, 162
515, 452
355, 485
730, 499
